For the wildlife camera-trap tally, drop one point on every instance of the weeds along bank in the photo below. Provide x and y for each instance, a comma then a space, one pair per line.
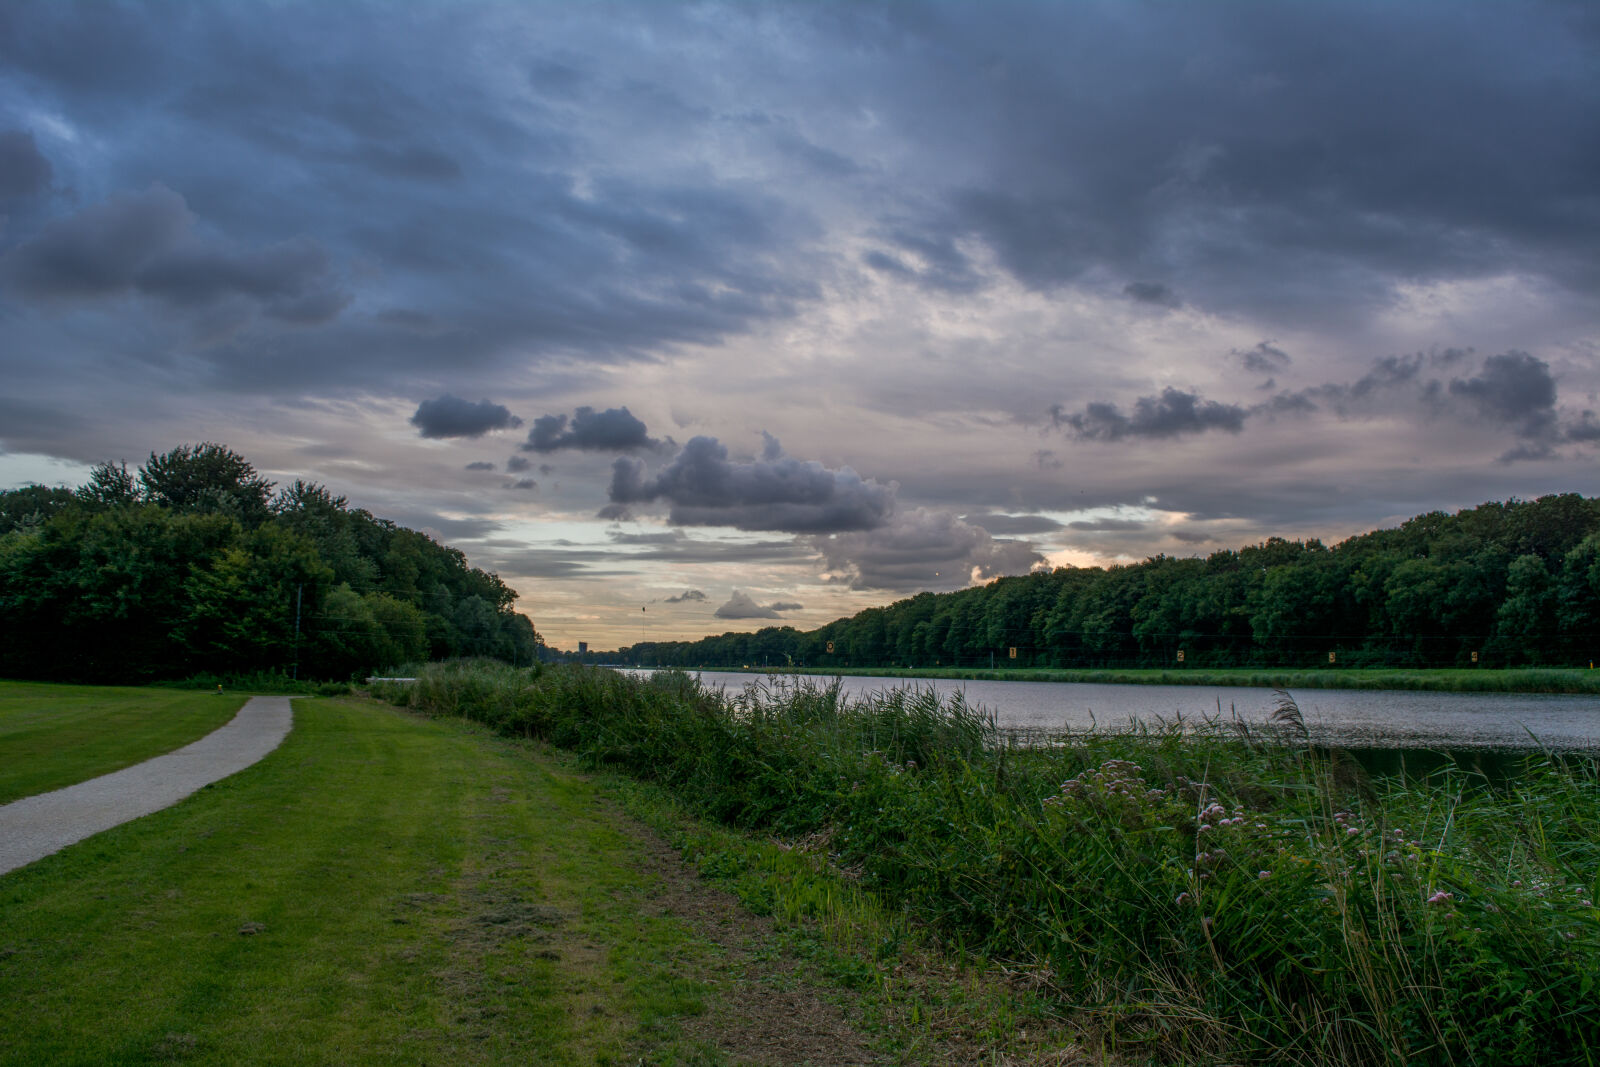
1214, 895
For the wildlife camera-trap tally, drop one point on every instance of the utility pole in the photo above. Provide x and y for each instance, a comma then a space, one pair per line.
299, 590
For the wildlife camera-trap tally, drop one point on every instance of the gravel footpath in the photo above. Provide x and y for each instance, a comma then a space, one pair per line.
34, 827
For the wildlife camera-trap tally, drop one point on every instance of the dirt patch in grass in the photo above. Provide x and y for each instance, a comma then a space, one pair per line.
782, 1003
773, 1015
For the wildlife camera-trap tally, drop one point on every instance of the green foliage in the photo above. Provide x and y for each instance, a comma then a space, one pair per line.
1223, 894
1516, 583
196, 569
206, 477
28, 508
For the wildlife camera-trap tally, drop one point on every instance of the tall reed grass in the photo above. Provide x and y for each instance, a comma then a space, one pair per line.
1204, 893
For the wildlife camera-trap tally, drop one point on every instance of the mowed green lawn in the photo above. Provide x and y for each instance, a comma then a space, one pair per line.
380, 889
54, 735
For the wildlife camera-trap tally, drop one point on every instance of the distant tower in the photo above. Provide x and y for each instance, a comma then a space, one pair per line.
583, 646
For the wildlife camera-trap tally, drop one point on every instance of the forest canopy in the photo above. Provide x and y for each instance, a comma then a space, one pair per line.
193, 564
1502, 584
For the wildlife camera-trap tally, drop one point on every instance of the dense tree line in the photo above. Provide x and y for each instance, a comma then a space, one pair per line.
192, 564
1515, 584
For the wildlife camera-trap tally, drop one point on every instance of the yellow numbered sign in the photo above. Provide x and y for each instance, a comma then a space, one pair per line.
1333, 657
830, 646
1180, 655
1013, 651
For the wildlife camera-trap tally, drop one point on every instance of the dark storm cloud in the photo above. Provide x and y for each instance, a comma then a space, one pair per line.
776, 492
25, 426
688, 596
450, 416
741, 606
24, 171
1152, 293
1171, 414
1513, 388
1246, 158
921, 548
503, 230
147, 243
612, 430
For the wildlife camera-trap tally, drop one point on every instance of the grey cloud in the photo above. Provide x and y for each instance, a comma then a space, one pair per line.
1513, 388
922, 548
1527, 452
1190, 537
665, 537
1152, 293
1585, 428
705, 488
940, 265
481, 465
741, 606
450, 416
409, 319
694, 550
612, 430
416, 162
1264, 358
686, 597
1390, 378
518, 464
1107, 525
998, 523
1171, 414
146, 243
524, 484
786, 605
24, 171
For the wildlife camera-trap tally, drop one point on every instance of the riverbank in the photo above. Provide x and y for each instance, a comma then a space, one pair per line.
1519, 680
1188, 895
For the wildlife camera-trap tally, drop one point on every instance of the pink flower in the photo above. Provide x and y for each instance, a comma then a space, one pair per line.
1441, 897
1263, 874
1183, 898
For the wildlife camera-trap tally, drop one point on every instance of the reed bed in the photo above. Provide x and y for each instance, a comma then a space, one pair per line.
1191, 892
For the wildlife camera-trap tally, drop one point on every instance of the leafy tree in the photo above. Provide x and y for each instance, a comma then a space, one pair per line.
110, 485
207, 477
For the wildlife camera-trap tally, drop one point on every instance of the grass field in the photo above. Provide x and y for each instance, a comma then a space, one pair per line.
54, 735
1519, 680
385, 888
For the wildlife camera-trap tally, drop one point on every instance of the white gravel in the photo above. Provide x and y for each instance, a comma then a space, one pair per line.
34, 827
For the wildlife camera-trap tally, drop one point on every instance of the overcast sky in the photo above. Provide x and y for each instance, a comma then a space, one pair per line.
770, 312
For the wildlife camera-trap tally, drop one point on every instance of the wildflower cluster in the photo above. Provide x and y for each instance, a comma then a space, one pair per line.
1116, 790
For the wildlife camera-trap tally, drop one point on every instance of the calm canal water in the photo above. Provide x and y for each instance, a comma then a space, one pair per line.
1354, 718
